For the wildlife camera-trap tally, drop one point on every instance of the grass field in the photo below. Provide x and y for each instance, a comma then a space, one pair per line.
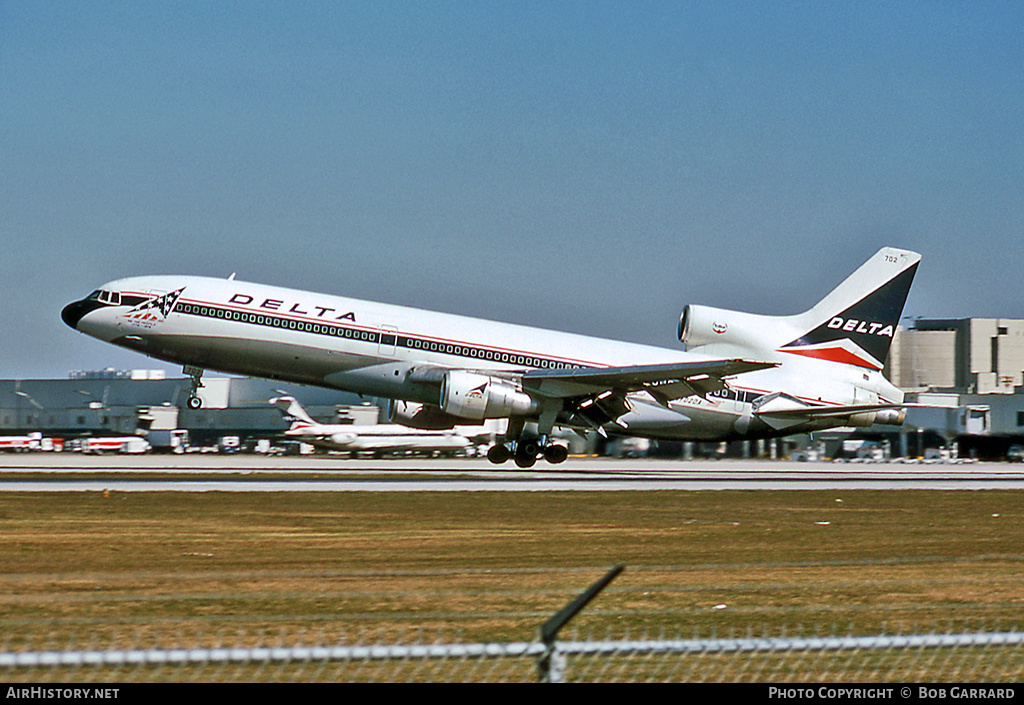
493, 566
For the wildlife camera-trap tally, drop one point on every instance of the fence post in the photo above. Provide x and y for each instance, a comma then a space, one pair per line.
551, 663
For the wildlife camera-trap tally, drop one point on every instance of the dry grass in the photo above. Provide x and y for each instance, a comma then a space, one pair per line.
496, 565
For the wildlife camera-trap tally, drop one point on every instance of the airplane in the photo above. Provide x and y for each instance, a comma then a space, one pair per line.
740, 375
376, 438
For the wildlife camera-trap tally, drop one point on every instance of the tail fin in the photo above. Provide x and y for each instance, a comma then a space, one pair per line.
292, 410
855, 324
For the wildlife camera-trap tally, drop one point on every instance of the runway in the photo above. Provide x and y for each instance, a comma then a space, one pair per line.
43, 472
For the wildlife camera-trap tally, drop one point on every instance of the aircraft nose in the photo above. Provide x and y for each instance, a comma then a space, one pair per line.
73, 312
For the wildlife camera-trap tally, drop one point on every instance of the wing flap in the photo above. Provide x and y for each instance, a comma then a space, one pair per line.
664, 382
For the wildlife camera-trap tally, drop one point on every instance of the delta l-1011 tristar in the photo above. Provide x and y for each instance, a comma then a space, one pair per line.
742, 376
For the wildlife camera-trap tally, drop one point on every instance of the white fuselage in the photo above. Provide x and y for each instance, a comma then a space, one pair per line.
378, 350
379, 438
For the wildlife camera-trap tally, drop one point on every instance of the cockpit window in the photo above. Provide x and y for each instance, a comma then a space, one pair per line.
110, 298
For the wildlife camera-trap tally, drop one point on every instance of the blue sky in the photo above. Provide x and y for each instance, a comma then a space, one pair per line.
585, 166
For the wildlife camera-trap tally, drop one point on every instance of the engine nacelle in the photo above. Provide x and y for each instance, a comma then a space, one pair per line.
704, 325
469, 395
885, 417
424, 417
343, 439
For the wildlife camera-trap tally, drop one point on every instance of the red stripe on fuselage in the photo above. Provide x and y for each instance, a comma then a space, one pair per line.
834, 355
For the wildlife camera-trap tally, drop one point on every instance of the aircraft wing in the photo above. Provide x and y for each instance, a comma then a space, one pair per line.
596, 396
663, 382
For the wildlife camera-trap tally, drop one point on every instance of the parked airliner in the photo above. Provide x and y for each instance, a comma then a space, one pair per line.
372, 438
741, 376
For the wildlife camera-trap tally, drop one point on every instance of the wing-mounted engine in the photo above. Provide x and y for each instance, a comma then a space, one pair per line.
475, 396
424, 417
705, 325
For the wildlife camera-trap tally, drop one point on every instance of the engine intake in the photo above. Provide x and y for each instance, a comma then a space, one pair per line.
469, 395
705, 325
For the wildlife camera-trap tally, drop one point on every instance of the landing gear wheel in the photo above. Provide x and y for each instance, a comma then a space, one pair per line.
527, 450
498, 453
556, 454
525, 461
194, 402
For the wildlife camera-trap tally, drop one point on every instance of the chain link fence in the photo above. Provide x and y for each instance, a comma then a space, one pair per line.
950, 657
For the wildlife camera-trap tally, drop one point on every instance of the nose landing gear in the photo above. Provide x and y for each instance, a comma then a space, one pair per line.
196, 375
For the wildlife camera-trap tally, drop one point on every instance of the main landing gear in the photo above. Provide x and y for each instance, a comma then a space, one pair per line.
196, 375
526, 450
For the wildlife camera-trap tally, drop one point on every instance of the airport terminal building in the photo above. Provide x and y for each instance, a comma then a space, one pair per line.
125, 403
972, 366
972, 369
969, 356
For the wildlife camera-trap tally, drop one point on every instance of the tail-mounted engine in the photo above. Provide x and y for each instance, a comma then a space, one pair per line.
705, 325
469, 395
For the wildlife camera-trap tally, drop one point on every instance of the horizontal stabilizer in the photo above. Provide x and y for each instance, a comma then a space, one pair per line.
780, 410
826, 411
291, 410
